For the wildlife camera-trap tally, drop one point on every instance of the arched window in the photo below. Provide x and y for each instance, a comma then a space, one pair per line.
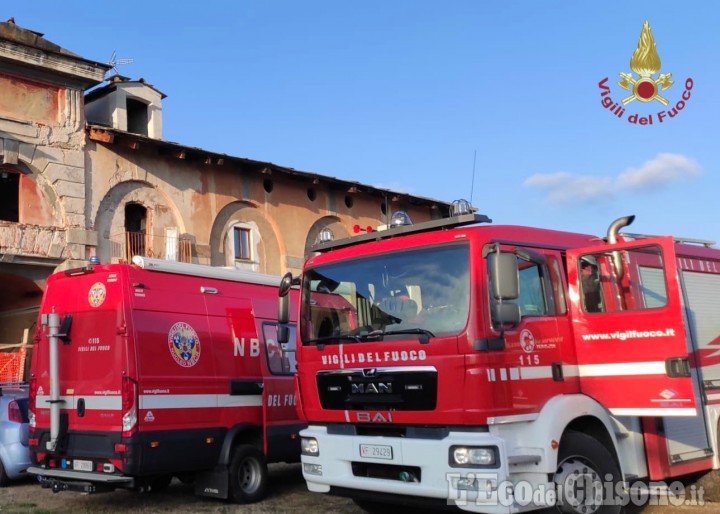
9, 194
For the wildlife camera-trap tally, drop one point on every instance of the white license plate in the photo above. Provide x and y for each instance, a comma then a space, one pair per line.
376, 451
82, 465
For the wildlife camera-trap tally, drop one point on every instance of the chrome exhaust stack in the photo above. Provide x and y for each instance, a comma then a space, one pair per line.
612, 233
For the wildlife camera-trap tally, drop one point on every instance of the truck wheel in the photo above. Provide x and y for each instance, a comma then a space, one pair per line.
248, 475
584, 467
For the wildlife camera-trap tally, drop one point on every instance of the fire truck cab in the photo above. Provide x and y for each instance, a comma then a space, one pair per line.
506, 368
148, 371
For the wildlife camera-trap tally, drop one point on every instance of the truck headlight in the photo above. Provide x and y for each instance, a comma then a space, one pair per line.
473, 456
309, 446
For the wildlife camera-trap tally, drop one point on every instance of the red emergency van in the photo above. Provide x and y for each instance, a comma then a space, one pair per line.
147, 371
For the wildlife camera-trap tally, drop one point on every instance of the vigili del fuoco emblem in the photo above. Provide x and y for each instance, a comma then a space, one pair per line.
645, 84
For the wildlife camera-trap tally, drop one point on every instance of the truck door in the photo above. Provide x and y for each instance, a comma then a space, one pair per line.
628, 325
280, 419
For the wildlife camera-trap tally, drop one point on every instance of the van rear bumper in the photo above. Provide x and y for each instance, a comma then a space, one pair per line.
67, 480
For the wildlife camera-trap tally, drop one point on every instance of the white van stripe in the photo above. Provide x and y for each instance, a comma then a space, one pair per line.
106, 402
198, 401
154, 401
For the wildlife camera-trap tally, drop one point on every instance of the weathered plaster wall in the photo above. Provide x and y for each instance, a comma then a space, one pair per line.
204, 201
42, 135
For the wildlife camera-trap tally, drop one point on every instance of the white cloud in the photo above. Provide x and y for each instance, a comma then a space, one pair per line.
566, 188
663, 169
563, 187
547, 179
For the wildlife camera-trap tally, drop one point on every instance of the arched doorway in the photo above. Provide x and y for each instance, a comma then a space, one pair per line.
136, 225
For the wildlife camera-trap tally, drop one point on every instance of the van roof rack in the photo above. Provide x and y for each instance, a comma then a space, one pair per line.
681, 240
201, 270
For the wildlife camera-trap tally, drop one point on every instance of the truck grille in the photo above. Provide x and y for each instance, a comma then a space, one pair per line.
405, 388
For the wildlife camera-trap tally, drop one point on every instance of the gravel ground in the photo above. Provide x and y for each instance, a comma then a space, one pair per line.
287, 494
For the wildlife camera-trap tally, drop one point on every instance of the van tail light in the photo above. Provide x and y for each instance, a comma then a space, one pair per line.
129, 407
32, 398
14, 413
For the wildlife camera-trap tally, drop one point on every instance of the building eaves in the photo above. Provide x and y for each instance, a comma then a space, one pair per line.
113, 83
108, 135
26, 49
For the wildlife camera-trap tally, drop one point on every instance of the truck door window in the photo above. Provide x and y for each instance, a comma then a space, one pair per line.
280, 357
532, 299
639, 282
556, 283
540, 288
592, 297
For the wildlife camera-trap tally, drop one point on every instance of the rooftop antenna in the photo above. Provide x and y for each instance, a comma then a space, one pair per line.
114, 61
472, 183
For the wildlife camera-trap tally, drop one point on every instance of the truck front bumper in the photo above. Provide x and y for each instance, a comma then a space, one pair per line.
402, 467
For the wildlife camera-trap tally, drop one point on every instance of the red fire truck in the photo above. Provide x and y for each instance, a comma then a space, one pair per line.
507, 368
145, 371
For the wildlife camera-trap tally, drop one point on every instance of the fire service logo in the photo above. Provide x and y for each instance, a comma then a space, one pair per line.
97, 294
527, 341
644, 86
184, 344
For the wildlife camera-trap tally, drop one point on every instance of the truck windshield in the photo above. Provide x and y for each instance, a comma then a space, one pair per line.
420, 293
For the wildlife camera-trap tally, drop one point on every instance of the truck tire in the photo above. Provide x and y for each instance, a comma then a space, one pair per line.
248, 475
584, 464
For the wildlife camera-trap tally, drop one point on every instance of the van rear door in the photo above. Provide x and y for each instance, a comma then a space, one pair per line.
91, 356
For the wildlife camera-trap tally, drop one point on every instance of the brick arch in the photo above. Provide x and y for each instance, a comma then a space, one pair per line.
270, 248
109, 219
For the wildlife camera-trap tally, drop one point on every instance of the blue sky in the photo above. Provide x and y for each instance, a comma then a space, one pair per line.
403, 94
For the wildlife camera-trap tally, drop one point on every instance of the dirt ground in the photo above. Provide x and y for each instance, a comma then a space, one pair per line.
287, 494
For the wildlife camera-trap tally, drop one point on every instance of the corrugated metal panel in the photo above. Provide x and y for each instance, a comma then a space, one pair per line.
687, 437
703, 297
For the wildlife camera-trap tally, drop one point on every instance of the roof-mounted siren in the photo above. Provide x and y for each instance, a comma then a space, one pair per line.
460, 207
400, 219
325, 235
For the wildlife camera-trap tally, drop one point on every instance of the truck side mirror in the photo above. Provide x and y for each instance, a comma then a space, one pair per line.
284, 300
283, 333
505, 314
285, 284
504, 275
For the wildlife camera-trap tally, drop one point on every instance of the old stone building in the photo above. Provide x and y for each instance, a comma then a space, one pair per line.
84, 171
